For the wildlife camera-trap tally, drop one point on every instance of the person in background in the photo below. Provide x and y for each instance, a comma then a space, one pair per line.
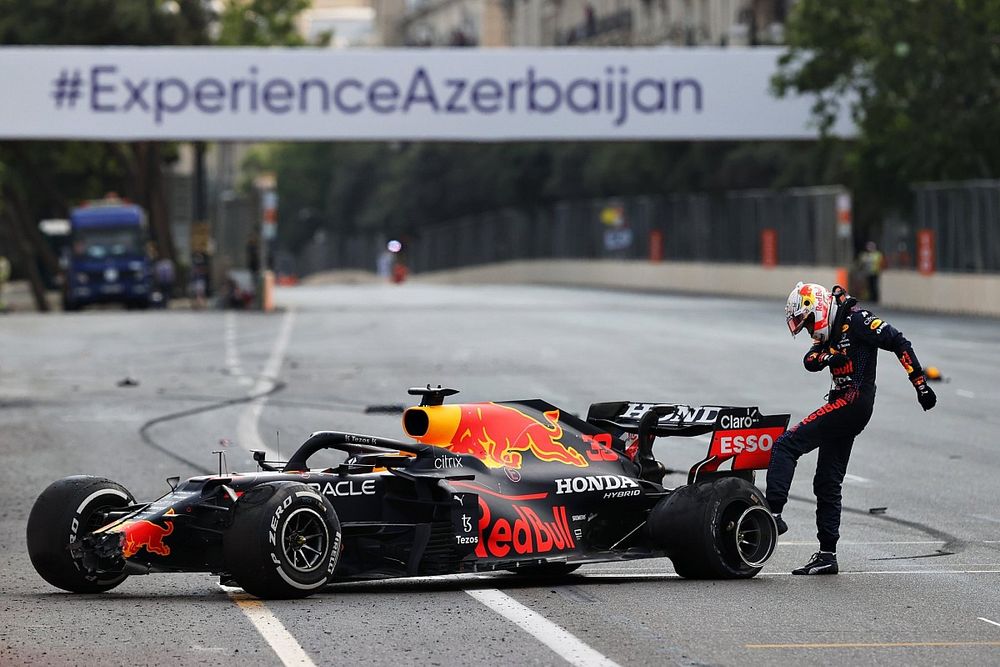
846, 339
165, 275
872, 262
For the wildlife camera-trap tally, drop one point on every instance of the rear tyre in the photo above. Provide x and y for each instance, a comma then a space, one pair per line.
719, 529
65, 512
284, 542
553, 570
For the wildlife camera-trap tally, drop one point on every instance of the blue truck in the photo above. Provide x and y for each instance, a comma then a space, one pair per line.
106, 259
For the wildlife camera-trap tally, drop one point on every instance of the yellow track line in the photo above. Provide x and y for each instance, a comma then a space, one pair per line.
875, 645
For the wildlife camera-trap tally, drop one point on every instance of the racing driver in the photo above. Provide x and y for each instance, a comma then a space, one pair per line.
845, 339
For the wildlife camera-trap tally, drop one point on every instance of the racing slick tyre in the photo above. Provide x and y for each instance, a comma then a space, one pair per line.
66, 511
545, 569
284, 541
718, 529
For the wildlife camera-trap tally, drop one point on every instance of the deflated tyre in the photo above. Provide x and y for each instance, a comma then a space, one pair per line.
719, 529
284, 542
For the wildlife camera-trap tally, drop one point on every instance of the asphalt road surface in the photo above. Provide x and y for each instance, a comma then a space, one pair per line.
920, 583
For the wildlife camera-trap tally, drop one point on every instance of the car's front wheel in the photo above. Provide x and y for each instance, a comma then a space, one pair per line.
284, 542
66, 511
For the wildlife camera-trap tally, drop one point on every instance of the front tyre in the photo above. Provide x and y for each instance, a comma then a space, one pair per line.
284, 542
66, 511
720, 529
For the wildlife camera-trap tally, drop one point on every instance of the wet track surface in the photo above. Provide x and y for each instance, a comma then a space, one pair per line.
920, 584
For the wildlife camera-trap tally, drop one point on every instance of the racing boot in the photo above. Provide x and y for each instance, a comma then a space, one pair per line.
780, 523
822, 562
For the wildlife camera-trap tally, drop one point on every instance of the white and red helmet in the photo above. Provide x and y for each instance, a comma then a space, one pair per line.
810, 307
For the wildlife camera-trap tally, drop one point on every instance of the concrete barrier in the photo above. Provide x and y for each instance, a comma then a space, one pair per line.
690, 277
946, 293
959, 293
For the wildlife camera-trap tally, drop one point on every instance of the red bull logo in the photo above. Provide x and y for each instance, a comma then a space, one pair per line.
497, 435
141, 534
527, 534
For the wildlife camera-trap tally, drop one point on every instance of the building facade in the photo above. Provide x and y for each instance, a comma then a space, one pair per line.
444, 22
647, 22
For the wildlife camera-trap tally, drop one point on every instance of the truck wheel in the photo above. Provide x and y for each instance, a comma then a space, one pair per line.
284, 542
718, 529
66, 511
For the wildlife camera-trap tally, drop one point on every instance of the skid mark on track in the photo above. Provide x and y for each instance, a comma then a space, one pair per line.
951, 542
564, 644
284, 645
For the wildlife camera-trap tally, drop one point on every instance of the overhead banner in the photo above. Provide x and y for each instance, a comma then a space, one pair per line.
395, 94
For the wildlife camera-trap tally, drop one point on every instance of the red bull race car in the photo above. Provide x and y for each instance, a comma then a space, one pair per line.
520, 486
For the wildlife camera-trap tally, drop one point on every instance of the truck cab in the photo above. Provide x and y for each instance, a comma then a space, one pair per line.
106, 259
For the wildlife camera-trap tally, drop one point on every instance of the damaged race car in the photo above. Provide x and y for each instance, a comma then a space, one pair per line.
520, 486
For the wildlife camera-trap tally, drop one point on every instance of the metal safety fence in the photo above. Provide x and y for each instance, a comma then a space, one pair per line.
800, 226
963, 221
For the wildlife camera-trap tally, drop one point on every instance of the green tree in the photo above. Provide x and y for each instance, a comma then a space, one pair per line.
261, 23
921, 79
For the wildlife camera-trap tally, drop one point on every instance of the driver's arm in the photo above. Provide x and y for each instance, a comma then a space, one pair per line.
816, 358
888, 337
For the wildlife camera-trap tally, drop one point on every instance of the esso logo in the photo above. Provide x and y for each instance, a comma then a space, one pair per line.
738, 444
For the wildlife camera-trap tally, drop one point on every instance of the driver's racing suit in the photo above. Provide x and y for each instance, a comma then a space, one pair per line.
851, 355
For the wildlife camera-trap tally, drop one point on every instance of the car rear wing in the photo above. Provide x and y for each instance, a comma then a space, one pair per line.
739, 434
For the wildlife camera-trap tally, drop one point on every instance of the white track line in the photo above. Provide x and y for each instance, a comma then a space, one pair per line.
233, 364
986, 620
288, 650
247, 435
562, 643
843, 543
965, 393
856, 479
284, 645
670, 575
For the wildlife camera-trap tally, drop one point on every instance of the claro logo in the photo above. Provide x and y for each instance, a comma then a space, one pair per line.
527, 534
739, 444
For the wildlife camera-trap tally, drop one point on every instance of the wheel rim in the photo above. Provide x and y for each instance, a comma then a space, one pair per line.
755, 535
305, 539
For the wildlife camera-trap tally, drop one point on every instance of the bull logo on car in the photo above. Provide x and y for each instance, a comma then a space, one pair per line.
498, 435
145, 534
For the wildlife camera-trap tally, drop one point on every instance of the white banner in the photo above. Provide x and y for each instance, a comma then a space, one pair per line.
444, 94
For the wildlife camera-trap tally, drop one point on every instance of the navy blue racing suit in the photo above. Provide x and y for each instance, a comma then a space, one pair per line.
851, 355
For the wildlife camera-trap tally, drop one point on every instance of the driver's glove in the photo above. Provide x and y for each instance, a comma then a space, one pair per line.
925, 395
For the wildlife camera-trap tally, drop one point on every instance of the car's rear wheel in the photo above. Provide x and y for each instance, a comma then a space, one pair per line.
284, 542
719, 529
65, 512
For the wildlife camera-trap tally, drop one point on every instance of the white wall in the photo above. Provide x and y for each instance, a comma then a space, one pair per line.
975, 294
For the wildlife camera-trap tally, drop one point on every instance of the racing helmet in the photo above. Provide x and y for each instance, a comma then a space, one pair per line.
810, 307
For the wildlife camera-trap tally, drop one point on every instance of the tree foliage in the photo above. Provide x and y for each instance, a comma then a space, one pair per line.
261, 23
921, 78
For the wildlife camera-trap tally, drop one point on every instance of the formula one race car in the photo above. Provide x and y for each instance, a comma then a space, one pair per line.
520, 486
